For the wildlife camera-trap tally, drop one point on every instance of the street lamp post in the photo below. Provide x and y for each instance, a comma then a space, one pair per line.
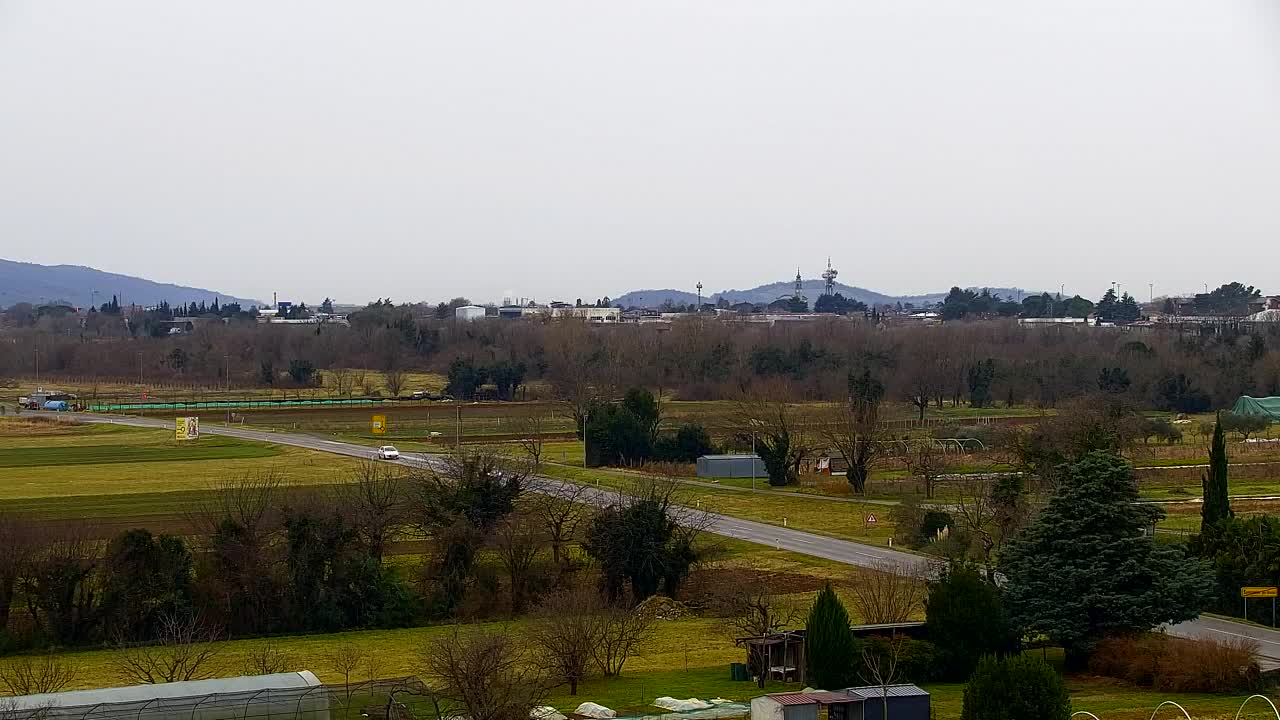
585, 416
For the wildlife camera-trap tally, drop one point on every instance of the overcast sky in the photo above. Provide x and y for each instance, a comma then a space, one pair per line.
559, 149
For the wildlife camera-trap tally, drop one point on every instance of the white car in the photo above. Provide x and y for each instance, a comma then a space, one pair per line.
388, 452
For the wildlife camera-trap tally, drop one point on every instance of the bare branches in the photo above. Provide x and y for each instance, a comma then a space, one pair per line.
530, 432
518, 542
345, 659
622, 634
888, 592
755, 611
394, 379
375, 503
561, 510
251, 501
268, 658
565, 630
37, 675
184, 650
927, 463
483, 675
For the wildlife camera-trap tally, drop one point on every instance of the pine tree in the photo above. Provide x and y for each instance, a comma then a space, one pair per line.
828, 642
1088, 567
1217, 502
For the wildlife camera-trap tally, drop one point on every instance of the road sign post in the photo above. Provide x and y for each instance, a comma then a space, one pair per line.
1260, 592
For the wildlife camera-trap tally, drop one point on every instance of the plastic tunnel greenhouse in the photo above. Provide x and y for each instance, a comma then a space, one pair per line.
283, 696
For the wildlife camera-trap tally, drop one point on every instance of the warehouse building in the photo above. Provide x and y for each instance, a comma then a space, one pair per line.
731, 466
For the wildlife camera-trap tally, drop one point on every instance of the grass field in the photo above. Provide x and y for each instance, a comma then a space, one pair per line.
687, 658
84, 467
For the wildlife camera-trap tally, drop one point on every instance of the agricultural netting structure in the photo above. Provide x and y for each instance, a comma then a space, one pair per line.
399, 699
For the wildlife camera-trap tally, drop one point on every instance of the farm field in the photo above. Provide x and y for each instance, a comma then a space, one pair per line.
81, 465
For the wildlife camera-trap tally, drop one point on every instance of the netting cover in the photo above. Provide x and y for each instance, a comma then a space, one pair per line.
1267, 406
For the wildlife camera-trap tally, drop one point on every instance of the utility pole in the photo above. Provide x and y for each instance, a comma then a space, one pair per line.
753, 459
140, 383
37, 368
228, 397
459, 407
585, 416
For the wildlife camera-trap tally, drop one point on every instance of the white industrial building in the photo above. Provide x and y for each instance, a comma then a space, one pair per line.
469, 313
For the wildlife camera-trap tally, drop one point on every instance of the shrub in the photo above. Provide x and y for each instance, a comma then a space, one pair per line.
1179, 665
1015, 688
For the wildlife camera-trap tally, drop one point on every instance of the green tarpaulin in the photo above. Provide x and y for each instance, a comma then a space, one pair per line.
1268, 407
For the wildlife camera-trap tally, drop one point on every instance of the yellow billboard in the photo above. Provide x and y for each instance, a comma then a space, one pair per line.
187, 428
379, 424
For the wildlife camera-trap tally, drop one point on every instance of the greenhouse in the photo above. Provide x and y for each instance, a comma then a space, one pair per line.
1268, 407
282, 696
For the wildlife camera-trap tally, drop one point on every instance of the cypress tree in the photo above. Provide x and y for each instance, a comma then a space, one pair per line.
828, 642
1217, 503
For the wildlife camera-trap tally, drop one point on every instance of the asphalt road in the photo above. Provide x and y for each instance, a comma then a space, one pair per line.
842, 551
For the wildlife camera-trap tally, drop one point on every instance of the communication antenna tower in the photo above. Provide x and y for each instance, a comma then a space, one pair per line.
830, 276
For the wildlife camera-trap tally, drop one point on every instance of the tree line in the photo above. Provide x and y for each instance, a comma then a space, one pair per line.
261, 558
981, 364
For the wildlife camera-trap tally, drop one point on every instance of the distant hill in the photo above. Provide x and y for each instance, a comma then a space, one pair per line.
768, 293
27, 282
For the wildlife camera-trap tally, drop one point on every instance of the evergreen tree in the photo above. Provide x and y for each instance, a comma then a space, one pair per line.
1088, 567
967, 621
829, 645
1217, 503
1016, 688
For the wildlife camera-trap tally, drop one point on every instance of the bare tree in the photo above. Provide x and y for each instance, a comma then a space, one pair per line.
343, 381
927, 463
483, 675
754, 611
394, 380
530, 433
888, 592
993, 510
623, 633
185, 649
37, 675
268, 658
854, 428
881, 670
565, 630
562, 509
346, 659
375, 503
518, 542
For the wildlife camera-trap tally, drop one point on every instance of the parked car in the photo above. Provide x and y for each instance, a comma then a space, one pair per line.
388, 452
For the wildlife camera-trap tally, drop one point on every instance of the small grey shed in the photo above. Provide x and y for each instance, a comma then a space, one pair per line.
731, 466
905, 702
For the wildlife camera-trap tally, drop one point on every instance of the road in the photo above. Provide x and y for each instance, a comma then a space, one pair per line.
798, 541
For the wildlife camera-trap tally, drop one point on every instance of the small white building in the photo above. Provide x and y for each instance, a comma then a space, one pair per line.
469, 313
